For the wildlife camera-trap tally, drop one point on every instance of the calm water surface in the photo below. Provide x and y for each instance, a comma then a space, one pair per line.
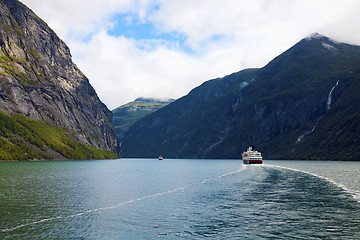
179, 199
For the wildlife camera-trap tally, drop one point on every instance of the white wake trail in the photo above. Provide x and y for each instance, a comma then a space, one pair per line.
355, 194
120, 204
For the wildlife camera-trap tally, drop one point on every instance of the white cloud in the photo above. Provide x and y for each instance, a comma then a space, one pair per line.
80, 18
225, 36
123, 71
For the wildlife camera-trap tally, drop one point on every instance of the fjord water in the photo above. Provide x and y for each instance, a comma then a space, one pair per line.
179, 199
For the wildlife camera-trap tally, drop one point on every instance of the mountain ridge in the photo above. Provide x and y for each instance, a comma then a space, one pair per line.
271, 108
127, 114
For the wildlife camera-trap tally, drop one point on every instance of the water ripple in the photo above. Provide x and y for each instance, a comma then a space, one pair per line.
120, 204
355, 193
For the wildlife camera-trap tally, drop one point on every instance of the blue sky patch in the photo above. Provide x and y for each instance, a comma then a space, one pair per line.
130, 26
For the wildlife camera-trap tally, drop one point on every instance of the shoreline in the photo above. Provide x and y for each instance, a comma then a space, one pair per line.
55, 160
64, 160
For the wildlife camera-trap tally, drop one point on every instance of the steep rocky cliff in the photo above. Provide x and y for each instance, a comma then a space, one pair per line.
39, 80
302, 105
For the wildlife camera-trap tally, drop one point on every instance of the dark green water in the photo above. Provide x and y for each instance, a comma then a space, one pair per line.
179, 199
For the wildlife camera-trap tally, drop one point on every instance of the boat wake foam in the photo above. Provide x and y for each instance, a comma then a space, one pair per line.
120, 204
354, 193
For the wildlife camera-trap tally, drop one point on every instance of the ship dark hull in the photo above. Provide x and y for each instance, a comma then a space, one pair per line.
252, 161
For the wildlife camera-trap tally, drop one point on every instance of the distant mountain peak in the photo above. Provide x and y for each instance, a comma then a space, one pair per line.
149, 99
126, 115
314, 35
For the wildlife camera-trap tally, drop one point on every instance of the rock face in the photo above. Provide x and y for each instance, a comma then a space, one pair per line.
38, 79
302, 105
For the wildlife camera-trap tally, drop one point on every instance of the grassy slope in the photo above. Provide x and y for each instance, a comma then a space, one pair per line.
24, 139
126, 115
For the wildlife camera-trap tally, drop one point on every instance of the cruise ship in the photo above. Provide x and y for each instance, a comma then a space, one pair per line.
252, 157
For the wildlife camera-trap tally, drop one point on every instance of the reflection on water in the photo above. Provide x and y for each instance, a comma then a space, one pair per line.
191, 199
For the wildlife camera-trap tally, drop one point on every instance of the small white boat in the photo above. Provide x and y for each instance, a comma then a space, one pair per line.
252, 157
161, 157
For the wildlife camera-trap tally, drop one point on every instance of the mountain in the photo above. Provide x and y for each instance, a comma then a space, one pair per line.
126, 115
39, 81
301, 105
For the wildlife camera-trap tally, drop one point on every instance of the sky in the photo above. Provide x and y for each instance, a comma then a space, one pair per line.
165, 48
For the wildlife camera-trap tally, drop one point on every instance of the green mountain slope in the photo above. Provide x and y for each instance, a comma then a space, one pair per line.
25, 139
126, 115
283, 109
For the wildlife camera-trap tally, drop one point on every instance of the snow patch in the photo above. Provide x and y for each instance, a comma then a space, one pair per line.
318, 36
244, 84
328, 46
314, 36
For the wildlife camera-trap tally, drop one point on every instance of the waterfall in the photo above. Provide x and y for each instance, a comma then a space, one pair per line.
328, 105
